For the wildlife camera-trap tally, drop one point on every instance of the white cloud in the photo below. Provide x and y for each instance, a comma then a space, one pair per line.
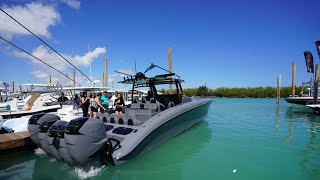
87, 59
40, 74
72, 3
57, 62
35, 16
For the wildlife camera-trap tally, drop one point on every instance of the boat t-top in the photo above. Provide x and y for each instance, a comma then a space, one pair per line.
111, 138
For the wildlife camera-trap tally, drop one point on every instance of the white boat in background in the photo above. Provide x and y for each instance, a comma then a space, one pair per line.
34, 103
303, 99
315, 108
12, 102
17, 101
68, 111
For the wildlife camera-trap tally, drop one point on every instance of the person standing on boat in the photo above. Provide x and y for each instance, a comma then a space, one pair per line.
114, 97
95, 104
105, 101
77, 100
85, 102
149, 96
62, 99
119, 103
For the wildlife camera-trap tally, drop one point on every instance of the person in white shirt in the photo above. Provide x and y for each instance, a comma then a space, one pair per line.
113, 98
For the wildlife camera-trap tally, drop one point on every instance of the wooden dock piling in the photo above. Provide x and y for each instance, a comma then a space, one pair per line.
315, 87
293, 78
170, 68
102, 81
278, 89
73, 81
12, 86
105, 71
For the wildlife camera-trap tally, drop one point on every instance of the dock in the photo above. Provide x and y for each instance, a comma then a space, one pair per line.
15, 140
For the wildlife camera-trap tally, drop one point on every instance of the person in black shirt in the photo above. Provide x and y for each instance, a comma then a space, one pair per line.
62, 99
85, 102
119, 103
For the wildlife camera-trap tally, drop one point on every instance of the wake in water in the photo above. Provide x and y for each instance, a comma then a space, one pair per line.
39, 152
85, 173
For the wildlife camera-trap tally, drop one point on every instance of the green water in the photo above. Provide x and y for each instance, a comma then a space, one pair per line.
239, 139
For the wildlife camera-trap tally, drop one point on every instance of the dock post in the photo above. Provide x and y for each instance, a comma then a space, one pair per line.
315, 87
311, 85
278, 89
293, 78
105, 79
302, 88
73, 81
170, 68
49, 81
12, 86
102, 81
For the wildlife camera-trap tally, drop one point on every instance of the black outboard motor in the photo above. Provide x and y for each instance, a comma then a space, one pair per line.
33, 127
50, 119
54, 138
63, 151
84, 138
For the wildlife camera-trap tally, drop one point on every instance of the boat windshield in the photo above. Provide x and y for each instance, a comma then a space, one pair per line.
152, 83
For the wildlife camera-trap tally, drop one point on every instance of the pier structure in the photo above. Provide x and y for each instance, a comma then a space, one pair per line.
294, 69
105, 73
170, 68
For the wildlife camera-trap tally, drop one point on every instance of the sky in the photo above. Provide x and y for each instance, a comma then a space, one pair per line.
217, 43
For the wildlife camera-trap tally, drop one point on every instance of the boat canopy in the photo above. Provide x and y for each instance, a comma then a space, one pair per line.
139, 80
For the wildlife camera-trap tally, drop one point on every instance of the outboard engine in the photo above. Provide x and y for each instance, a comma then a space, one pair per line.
43, 129
63, 151
84, 138
55, 136
33, 127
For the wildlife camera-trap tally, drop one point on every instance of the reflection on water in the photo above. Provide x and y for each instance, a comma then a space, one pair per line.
310, 152
276, 121
290, 136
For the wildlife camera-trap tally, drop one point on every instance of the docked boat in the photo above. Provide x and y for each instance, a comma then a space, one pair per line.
300, 100
315, 108
36, 102
114, 139
303, 99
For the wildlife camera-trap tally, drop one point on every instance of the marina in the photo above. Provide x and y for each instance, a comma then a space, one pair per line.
159, 90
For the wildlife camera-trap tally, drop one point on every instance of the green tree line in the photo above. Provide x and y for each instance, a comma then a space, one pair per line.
249, 92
